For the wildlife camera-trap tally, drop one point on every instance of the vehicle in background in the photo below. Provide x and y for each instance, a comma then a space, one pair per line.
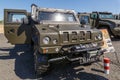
117, 16
102, 20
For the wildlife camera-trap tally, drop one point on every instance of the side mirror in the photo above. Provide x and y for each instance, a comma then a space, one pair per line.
25, 21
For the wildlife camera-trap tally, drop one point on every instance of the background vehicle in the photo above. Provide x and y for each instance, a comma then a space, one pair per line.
103, 20
56, 34
117, 16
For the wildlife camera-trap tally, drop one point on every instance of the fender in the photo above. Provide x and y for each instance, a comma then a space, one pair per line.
104, 23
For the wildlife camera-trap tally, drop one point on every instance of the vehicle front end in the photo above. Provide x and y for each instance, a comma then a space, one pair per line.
58, 36
70, 42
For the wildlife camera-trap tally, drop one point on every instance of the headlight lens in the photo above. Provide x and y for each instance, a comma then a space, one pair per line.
54, 41
46, 40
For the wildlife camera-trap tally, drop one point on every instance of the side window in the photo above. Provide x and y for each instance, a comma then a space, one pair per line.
15, 17
71, 18
85, 19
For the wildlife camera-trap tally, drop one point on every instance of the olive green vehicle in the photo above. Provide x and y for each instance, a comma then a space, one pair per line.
56, 34
102, 20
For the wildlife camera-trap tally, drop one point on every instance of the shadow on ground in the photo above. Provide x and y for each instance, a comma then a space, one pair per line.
70, 72
23, 60
24, 68
115, 39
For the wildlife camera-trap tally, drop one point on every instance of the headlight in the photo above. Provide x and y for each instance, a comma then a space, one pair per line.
98, 37
46, 40
55, 41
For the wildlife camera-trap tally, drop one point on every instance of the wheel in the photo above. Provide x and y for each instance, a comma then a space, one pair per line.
41, 64
41, 69
117, 37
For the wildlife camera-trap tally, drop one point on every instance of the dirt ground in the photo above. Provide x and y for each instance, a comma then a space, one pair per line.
16, 63
1, 28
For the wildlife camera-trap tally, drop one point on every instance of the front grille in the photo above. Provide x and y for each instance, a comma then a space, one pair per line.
76, 36
65, 36
89, 35
82, 35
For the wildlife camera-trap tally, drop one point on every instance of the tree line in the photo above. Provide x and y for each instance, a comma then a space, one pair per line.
1, 21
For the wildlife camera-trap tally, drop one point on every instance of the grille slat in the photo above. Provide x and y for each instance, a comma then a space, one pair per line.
89, 35
76, 36
65, 36
82, 35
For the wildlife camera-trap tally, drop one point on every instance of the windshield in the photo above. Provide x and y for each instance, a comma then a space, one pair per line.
106, 16
56, 16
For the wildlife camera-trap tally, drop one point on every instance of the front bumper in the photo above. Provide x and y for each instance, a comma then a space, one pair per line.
70, 48
85, 53
90, 57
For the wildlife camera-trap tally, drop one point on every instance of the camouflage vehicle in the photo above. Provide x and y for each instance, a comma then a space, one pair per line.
55, 34
102, 20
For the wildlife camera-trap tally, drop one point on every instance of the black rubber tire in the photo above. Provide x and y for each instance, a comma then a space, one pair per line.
40, 68
117, 37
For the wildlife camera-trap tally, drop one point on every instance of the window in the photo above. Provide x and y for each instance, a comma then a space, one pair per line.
56, 16
15, 17
85, 19
106, 16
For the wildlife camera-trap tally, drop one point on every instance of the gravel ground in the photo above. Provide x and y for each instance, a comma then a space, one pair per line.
1, 28
16, 63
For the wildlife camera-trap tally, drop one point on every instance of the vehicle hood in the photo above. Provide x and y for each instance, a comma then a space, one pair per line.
71, 28
113, 21
58, 28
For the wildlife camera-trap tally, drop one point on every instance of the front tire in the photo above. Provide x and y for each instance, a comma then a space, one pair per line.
117, 37
41, 64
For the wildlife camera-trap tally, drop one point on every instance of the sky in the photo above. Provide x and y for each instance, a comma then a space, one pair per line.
78, 5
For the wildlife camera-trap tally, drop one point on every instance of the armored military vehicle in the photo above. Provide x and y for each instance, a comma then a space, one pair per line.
102, 20
55, 34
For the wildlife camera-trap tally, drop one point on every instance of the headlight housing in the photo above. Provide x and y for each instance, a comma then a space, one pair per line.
46, 40
55, 41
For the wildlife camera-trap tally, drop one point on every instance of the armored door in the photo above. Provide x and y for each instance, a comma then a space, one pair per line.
14, 29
